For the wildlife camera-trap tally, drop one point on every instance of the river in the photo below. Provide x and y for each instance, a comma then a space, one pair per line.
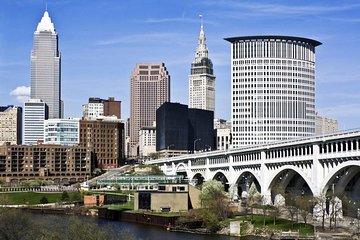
139, 231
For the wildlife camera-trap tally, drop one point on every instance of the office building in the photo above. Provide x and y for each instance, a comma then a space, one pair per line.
105, 138
223, 134
47, 162
181, 130
64, 132
325, 125
147, 141
10, 125
35, 112
97, 107
201, 78
46, 67
149, 88
272, 88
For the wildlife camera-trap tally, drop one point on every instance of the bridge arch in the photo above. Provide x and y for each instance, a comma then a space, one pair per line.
182, 169
221, 176
344, 182
244, 179
198, 178
289, 179
341, 176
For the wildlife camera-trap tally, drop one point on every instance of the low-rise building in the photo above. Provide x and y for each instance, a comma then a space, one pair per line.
59, 163
168, 198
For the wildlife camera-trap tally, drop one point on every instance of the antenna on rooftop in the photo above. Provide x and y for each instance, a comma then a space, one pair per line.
201, 19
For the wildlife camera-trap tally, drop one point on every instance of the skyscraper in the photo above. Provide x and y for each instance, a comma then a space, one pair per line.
201, 78
272, 88
46, 67
35, 113
150, 87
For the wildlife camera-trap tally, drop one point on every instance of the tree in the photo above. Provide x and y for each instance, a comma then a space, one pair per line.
154, 155
65, 196
292, 206
320, 208
275, 212
253, 198
44, 200
305, 204
214, 198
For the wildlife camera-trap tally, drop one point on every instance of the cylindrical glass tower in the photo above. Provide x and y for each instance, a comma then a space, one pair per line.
272, 88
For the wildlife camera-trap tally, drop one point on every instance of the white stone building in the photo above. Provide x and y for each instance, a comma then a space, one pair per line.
10, 125
223, 134
325, 125
272, 88
202, 79
147, 141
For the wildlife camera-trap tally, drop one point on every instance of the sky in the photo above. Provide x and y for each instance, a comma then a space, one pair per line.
101, 41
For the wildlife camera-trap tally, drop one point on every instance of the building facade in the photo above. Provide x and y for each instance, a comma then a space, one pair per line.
272, 88
10, 125
64, 132
223, 134
46, 67
150, 87
325, 125
201, 78
48, 162
180, 130
97, 107
147, 141
105, 138
35, 113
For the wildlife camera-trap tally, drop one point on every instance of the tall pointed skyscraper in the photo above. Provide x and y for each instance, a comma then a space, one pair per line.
46, 67
202, 79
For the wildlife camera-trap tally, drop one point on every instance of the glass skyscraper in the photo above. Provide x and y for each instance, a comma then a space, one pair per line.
46, 67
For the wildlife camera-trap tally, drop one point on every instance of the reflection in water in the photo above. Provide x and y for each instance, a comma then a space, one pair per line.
139, 231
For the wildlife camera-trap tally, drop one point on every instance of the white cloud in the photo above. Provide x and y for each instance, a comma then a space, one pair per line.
21, 93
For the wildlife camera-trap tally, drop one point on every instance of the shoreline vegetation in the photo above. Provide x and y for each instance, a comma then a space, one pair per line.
199, 221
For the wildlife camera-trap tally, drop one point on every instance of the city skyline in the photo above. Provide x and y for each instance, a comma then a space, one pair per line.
101, 41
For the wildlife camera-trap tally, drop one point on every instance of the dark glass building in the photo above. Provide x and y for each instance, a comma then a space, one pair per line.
180, 129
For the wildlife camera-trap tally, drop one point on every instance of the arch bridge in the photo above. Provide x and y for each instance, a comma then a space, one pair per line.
309, 166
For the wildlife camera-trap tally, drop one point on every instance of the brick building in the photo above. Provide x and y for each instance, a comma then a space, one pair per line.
59, 163
106, 139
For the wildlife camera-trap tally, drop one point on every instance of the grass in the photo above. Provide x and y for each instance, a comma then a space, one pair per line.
19, 198
121, 207
164, 214
281, 224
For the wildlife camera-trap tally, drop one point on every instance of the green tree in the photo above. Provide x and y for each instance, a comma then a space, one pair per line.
253, 198
65, 196
44, 200
214, 198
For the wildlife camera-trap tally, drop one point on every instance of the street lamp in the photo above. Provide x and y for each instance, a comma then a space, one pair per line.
199, 139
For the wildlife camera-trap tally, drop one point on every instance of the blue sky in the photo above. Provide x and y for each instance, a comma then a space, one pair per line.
102, 40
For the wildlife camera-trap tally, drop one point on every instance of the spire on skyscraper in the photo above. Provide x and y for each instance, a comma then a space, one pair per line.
45, 24
201, 50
